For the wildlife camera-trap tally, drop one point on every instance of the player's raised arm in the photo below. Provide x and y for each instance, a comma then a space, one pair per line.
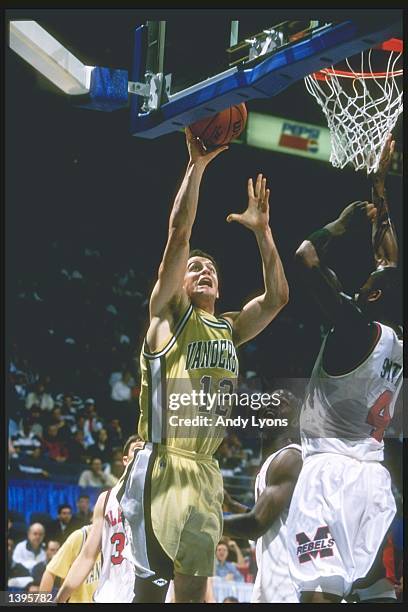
85, 561
384, 238
260, 311
169, 284
281, 481
320, 280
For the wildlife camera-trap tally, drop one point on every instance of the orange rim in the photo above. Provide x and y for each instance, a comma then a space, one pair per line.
393, 45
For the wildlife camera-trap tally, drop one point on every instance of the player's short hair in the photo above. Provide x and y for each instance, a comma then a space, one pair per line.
62, 506
129, 441
83, 497
388, 279
199, 253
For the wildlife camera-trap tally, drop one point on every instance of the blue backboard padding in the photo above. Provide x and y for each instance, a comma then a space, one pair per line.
108, 89
263, 80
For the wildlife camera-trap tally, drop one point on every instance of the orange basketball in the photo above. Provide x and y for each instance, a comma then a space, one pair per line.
221, 128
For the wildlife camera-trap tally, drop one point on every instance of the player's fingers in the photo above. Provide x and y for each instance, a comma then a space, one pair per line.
265, 201
263, 189
233, 217
189, 133
251, 188
258, 185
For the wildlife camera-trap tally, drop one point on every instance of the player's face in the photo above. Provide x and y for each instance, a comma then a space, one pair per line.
201, 278
135, 446
367, 293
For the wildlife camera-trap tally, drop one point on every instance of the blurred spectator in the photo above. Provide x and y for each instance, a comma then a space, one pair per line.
92, 422
56, 418
101, 448
122, 404
63, 525
223, 568
20, 385
77, 451
115, 433
69, 407
25, 452
39, 397
54, 448
13, 428
29, 552
38, 570
84, 514
25, 441
35, 419
122, 388
95, 477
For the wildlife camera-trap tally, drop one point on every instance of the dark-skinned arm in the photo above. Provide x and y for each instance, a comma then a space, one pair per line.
321, 281
384, 239
282, 476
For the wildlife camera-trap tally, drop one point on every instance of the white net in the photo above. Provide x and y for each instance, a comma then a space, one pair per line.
361, 107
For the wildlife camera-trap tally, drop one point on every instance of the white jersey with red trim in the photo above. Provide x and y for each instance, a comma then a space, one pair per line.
348, 414
273, 582
117, 578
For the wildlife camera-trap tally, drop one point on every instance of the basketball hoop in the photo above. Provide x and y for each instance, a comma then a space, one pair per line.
361, 106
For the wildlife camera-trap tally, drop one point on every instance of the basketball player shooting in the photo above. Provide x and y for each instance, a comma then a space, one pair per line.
172, 497
107, 535
342, 505
266, 521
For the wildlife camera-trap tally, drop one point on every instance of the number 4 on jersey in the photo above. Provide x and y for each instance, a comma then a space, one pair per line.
379, 415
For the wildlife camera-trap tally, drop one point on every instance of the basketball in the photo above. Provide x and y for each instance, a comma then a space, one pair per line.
221, 128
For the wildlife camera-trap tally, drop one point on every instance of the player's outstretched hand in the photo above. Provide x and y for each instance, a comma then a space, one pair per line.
197, 151
385, 160
256, 216
354, 217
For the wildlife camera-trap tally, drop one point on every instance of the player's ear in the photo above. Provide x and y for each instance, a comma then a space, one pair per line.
374, 295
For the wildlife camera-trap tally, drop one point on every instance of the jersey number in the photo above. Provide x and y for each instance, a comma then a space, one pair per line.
225, 385
379, 415
118, 540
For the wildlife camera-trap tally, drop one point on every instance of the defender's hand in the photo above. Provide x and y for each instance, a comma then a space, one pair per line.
355, 215
197, 151
256, 216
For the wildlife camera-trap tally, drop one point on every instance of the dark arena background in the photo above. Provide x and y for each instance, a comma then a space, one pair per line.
86, 217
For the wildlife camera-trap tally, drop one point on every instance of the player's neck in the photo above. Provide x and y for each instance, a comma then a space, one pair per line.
204, 303
273, 445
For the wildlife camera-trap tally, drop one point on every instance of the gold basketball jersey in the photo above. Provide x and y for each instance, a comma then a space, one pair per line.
188, 385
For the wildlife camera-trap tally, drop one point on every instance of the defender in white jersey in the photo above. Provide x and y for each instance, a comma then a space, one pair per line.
107, 534
266, 522
342, 506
